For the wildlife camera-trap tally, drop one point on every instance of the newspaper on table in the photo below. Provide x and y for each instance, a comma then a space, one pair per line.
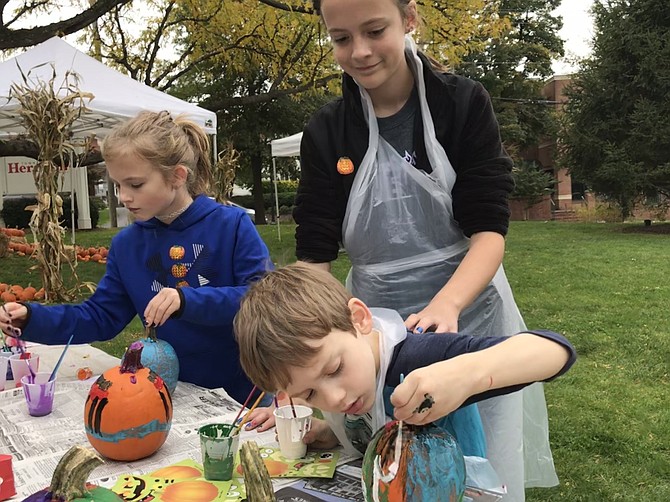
38, 443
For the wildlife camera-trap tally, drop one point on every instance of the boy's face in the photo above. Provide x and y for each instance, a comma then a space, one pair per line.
341, 377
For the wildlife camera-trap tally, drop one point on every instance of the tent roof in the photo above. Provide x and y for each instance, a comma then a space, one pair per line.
117, 96
286, 147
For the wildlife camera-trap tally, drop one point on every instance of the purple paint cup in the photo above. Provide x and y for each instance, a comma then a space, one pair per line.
39, 394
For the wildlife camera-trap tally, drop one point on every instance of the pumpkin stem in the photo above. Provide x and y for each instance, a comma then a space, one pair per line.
69, 478
132, 358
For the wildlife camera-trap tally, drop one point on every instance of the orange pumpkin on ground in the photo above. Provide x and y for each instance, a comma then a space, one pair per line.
128, 412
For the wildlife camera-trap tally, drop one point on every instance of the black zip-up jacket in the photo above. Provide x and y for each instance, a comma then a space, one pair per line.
465, 126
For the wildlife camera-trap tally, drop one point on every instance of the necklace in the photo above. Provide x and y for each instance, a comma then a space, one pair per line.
171, 216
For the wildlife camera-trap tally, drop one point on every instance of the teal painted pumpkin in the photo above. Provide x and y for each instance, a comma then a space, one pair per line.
159, 356
430, 465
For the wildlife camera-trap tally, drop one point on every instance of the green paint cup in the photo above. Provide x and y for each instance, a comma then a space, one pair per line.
218, 451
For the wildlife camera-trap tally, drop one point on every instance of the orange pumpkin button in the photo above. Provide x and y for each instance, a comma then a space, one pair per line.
345, 166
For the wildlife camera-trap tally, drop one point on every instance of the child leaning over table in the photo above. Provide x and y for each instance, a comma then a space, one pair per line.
300, 331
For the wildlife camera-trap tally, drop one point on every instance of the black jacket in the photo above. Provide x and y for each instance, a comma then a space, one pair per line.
465, 126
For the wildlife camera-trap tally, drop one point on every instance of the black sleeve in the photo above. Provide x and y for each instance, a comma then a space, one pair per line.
318, 210
484, 170
417, 351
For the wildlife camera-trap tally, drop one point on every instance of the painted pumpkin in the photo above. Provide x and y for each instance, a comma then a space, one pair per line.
159, 356
128, 411
430, 467
68, 483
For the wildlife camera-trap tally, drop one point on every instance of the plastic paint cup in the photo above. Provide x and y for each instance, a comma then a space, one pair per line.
291, 430
4, 363
218, 451
20, 368
39, 394
8, 372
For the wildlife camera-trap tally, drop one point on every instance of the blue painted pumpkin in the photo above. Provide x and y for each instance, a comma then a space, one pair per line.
430, 467
159, 356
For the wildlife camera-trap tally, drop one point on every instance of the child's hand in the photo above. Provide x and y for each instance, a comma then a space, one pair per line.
162, 306
441, 315
432, 392
12, 316
321, 436
261, 419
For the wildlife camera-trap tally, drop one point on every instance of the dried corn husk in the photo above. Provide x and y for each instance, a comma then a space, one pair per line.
48, 112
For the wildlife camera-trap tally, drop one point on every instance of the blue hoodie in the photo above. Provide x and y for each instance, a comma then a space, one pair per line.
211, 253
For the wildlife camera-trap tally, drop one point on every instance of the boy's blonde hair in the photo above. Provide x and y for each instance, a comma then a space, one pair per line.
164, 142
281, 314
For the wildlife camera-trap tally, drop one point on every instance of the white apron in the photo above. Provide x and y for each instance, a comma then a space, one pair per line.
404, 244
393, 331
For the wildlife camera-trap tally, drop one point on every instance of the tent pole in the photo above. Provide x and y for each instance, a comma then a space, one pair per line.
274, 178
72, 192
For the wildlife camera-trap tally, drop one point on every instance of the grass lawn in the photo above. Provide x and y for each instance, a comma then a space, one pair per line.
608, 291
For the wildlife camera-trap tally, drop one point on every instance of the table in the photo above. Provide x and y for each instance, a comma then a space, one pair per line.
77, 356
37, 443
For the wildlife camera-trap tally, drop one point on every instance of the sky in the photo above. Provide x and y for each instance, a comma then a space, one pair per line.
577, 33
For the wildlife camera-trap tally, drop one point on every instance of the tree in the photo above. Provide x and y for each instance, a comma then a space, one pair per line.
27, 11
513, 68
616, 132
531, 183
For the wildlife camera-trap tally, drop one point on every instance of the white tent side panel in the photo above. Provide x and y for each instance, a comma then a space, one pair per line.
286, 147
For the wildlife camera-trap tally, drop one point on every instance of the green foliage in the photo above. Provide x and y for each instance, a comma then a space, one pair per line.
282, 186
15, 215
513, 67
531, 183
616, 134
285, 199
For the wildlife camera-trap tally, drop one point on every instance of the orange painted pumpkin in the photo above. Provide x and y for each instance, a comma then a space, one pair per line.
128, 412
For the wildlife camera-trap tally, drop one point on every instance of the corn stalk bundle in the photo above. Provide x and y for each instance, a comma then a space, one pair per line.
48, 113
224, 173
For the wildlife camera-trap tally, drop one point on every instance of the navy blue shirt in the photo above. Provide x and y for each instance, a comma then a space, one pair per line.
417, 351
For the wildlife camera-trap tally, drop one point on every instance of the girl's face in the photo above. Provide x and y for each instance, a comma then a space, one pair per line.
142, 188
368, 38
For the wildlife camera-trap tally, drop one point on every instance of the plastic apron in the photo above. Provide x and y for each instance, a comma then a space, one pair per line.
404, 244
389, 323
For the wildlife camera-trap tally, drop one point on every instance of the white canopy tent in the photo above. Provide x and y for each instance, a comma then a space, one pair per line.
286, 147
283, 147
116, 98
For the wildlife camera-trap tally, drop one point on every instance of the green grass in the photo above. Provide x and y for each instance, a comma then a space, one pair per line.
608, 291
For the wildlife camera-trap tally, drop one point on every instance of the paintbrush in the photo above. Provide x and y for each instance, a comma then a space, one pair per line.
60, 359
246, 401
239, 426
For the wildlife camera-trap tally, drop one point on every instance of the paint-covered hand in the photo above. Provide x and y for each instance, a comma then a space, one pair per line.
320, 435
431, 392
261, 419
12, 318
166, 302
441, 316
